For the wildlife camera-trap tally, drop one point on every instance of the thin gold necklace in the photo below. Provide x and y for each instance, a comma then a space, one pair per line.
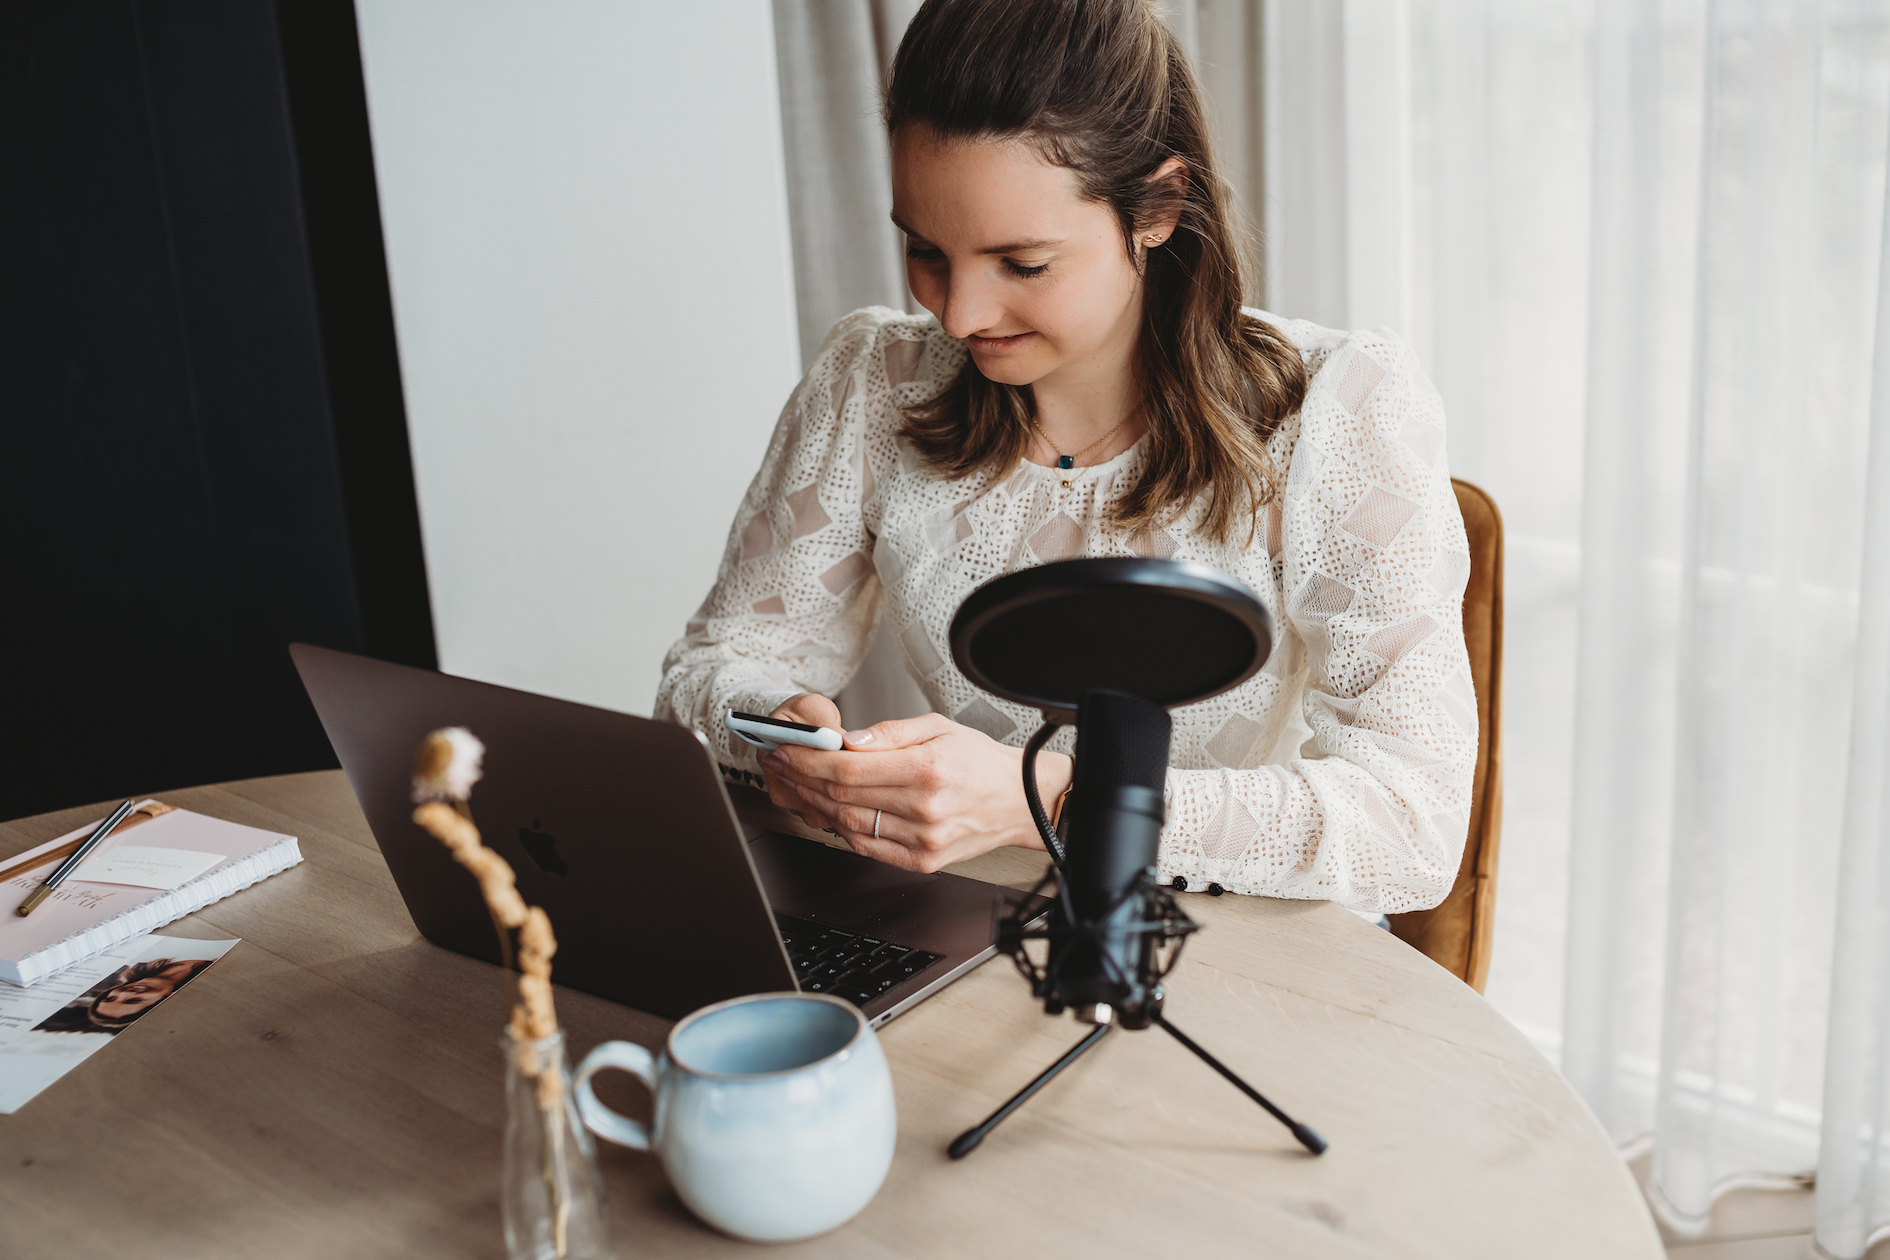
1066, 464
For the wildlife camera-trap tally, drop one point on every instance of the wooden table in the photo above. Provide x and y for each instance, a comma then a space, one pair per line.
334, 1088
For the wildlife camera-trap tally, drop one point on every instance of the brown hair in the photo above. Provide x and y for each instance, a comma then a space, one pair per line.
1102, 88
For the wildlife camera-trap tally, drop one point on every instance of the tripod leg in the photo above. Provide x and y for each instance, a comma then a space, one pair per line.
967, 1142
1307, 1138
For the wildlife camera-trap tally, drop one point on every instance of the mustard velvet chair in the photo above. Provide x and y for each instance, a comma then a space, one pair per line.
1456, 933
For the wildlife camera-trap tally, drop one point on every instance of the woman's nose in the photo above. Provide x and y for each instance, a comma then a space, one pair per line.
969, 307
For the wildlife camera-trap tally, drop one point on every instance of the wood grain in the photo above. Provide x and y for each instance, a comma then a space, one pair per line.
333, 1088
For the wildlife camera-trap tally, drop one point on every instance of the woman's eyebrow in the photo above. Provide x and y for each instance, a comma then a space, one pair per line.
1019, 247
1013, 247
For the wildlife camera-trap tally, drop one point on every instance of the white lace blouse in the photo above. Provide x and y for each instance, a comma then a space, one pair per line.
1341, 771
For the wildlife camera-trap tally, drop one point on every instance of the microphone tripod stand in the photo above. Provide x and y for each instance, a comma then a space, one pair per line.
1161, 923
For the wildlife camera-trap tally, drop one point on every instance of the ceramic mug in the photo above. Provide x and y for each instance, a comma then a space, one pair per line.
774, 1113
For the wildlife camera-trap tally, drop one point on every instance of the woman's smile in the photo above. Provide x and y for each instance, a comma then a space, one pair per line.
998, 345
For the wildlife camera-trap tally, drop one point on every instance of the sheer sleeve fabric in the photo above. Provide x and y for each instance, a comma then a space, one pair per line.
796, 597
1371, 565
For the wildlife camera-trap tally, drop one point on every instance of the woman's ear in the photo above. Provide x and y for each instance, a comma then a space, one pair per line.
1168, 188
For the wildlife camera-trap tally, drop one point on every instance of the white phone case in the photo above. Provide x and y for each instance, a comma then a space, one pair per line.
769, 736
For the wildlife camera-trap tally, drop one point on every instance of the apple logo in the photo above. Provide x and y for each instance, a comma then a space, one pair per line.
542, 849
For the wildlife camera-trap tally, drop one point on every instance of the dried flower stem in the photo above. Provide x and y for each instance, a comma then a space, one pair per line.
442, 768
496, 881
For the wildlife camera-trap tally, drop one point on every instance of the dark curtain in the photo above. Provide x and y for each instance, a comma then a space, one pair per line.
203, 452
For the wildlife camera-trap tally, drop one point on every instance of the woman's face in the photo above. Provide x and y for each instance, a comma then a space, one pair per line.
130, 998
1001, 248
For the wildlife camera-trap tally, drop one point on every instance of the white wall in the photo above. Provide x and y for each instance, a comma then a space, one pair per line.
587, 238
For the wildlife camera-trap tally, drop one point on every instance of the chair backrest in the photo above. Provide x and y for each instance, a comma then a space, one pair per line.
1456, 933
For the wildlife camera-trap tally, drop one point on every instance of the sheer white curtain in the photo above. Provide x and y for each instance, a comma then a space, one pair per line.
1853, 1168
1762, 270
1642, 251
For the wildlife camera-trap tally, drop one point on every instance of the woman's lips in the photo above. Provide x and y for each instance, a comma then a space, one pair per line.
998, 345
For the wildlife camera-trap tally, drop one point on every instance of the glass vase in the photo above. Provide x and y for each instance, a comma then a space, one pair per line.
552, 1194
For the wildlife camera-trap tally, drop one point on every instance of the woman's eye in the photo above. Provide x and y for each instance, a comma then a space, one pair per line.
1018, 269
924, 253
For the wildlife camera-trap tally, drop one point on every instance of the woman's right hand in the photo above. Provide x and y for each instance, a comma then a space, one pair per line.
810, 709
916, 793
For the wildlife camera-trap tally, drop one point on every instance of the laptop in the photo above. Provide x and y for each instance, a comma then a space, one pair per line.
622, 829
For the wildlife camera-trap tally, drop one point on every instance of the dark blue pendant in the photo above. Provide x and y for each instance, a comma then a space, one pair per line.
1066, 461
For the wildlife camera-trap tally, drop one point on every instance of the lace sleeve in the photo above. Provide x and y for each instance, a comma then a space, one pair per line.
796, 597
1374, 812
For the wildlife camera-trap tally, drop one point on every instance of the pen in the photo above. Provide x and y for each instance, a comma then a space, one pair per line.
71, 864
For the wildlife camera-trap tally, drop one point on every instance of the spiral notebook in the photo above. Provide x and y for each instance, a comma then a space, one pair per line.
170, 863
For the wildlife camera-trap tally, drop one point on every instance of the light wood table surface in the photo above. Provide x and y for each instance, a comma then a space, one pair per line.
333, 1088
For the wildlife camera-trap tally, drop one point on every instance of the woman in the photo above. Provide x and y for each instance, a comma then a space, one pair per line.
1087, 384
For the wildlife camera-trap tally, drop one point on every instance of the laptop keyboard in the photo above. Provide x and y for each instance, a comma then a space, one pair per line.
846, 964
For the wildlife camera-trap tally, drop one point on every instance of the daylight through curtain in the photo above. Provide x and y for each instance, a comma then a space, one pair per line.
1642, 256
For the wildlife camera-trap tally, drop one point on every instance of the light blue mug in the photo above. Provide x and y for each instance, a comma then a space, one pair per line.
774, 1113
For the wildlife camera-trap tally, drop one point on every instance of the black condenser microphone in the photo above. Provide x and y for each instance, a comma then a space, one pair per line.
1112, 828
1111, 643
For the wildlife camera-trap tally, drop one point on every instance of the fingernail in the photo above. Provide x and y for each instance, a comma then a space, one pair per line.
774, 760
860, 737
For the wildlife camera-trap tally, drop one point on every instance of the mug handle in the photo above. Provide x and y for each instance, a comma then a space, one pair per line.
600, 1119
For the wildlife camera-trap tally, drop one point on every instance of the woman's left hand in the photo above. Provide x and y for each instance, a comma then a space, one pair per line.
940, 792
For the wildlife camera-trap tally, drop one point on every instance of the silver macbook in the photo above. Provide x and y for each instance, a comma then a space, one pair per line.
622, 829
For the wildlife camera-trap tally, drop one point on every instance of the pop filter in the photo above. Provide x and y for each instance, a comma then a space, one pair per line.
1172, 631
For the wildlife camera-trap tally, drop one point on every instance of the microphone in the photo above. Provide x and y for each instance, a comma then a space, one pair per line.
1110, 643
1112, 828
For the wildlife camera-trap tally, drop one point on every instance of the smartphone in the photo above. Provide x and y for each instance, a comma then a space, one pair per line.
770, 733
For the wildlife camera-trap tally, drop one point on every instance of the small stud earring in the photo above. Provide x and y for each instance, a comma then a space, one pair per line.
1151, 240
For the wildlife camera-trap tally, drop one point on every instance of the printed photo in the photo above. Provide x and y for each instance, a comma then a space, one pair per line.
114, 1003
54, 1026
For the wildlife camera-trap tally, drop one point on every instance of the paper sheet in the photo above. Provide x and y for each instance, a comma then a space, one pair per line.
51, 1028
145, 865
